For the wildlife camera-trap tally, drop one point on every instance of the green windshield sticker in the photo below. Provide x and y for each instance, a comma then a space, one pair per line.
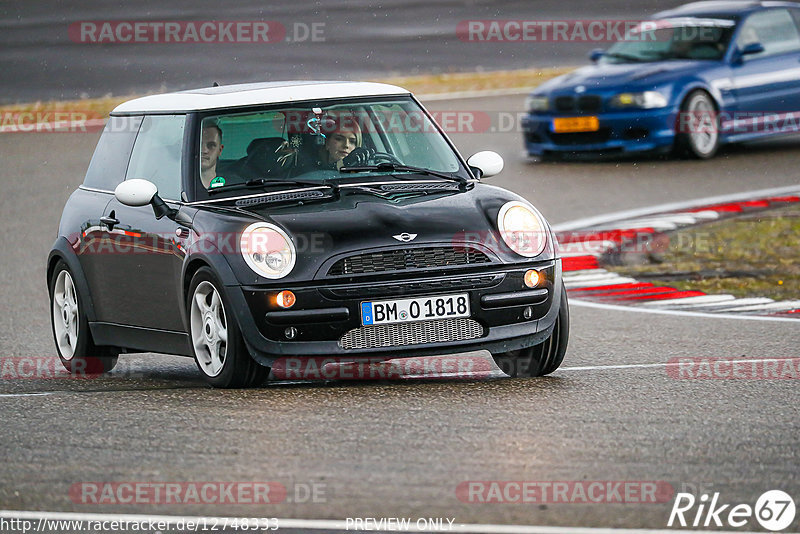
219, 181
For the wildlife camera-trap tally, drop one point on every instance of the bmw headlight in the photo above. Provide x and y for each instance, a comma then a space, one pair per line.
536, 103
522, 229
268, 250
644, 100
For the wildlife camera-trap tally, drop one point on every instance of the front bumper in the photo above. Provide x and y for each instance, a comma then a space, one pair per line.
620, 132
510, 315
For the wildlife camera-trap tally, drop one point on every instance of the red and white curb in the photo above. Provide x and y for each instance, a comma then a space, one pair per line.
583, 242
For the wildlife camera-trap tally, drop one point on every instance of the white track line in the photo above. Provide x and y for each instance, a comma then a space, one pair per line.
674, 206
25, 394
668, 364
679, 313
705, 300
338, 525
593, 283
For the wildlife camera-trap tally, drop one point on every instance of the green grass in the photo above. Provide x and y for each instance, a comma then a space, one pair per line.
756, 255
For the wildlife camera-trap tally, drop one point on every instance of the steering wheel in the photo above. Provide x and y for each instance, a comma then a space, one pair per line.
379, 157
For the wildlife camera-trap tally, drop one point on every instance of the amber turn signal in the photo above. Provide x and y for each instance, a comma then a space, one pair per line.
532, 278
286, 299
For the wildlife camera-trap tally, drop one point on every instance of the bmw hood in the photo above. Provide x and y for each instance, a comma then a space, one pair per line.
620, 76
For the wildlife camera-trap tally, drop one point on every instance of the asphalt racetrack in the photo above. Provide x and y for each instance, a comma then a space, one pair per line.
401, 448
383, 449
334, 39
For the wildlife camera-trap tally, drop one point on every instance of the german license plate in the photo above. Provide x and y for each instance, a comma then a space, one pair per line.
576, 124
416, 309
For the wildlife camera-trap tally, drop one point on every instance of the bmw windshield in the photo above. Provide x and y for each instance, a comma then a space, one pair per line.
671, 39
322, 143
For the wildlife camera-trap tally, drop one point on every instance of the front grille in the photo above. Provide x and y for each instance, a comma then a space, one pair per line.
401, 334
582, 104
408, 288
589, 104
405, 259
581, 138
564, 103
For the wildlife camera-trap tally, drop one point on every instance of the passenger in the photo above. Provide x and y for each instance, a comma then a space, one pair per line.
210, 150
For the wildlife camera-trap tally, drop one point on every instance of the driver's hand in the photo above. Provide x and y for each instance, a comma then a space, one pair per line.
358, 157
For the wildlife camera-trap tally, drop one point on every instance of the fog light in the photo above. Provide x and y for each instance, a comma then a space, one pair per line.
290, 332
528, 312
532, 278
286, 299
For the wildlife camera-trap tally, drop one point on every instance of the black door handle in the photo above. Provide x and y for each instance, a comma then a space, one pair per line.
109, 221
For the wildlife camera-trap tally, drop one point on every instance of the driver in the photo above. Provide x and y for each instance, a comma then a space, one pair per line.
342, 147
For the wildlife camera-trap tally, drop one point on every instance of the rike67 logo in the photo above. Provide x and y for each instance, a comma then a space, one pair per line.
774, 510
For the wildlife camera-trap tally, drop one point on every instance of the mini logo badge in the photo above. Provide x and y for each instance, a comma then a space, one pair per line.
405, 237
580, 89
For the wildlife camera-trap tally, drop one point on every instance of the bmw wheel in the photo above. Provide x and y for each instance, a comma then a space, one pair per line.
76, 349
698, 126
219, 350
544, 358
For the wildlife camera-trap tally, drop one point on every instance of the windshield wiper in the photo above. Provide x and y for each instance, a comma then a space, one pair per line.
626, 57
272, 182
393, 167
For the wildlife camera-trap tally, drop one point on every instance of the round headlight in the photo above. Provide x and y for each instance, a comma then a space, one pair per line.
522, 229
268, 250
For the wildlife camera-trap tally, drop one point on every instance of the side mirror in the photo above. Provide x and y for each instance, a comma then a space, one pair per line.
752, 48
136, 192
487, 163
596, 54
748, 50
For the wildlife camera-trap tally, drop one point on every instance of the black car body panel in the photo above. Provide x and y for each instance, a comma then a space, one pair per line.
370, 238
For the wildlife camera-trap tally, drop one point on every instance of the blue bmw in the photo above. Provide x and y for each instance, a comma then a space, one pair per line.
689, 80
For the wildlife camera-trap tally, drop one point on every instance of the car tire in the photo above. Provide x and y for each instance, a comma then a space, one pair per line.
544, 358
217, 344
702, 141
74, 344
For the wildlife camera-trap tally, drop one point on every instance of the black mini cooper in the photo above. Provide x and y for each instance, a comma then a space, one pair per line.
245, 224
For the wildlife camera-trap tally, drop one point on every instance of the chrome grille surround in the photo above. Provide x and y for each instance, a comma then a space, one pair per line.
407, 259
416, 333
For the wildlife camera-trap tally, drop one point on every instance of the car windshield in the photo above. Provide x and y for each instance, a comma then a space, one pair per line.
668, 39
322, 142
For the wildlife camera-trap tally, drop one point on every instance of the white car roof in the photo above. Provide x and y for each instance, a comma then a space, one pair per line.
229, 96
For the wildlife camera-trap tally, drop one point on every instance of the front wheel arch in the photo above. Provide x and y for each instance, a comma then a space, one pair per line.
685, 144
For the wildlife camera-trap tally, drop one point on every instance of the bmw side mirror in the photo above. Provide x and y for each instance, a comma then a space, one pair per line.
485, 164
752, 48
748, 50
138, 192
596, 54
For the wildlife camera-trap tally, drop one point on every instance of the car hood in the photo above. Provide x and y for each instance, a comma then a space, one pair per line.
620, 76
326, 230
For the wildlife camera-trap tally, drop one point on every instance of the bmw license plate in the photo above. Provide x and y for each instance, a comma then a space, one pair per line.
417, 309
575, 124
